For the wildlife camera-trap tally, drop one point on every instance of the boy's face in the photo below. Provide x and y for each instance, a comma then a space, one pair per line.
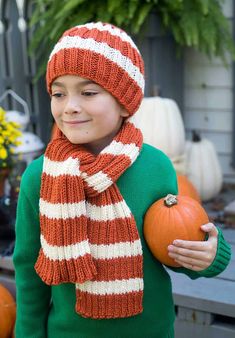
85, 112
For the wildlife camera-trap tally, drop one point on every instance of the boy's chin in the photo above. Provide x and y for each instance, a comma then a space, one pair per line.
73, 138
76, 140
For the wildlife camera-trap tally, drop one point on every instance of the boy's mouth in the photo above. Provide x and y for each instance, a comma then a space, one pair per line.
76, 122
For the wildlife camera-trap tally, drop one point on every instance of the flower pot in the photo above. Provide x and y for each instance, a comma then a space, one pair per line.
4, 173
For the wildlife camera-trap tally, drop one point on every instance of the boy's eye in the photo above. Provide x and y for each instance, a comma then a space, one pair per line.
57, 95
89, 93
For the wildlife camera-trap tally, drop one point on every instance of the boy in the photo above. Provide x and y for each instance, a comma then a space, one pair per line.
82, 266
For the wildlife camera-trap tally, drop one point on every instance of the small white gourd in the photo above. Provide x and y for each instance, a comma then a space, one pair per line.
203, 168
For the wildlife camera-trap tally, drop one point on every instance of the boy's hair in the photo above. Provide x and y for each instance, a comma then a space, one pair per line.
104, 54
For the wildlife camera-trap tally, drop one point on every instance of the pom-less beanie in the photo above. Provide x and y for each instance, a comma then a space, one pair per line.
104, 54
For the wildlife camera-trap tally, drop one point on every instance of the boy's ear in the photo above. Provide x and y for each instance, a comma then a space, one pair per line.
124, 113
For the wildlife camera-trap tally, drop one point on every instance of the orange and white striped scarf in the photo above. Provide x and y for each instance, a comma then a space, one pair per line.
88, 233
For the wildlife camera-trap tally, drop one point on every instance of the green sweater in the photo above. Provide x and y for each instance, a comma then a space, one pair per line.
48, 311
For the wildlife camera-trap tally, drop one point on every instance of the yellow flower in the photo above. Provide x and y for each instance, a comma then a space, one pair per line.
3, 153
9, 134
2, 114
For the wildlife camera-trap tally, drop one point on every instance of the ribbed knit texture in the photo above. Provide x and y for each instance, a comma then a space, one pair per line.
104, 54
88, 233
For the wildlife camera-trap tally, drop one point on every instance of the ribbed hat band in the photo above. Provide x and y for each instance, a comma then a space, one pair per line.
104, 54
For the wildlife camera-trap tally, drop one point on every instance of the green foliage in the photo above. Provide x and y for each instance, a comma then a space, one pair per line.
200, 24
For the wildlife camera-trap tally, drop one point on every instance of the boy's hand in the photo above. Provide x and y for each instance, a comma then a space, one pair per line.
196, 255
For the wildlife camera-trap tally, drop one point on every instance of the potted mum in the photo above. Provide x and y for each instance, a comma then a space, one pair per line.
9, 134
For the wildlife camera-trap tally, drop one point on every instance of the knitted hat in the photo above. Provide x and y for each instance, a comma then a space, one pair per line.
104, 54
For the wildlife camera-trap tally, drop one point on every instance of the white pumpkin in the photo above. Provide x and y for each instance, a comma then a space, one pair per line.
179, 163
162, 126
203, 167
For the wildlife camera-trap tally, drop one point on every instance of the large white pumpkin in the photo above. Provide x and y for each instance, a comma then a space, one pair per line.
203, 167
162, 126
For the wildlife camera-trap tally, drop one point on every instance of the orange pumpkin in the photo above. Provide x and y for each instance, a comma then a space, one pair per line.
7, 313
186, 188
170, 218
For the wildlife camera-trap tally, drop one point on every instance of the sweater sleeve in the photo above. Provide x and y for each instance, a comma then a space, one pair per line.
219, 264
32, 295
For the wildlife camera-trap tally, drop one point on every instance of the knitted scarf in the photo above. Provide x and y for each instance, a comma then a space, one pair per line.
88, 233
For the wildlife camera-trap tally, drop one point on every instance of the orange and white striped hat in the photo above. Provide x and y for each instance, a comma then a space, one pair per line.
104, 54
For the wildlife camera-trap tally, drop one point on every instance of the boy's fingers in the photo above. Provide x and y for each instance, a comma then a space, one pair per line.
211, 229
194, 267
202, 257
191, 245
174, 251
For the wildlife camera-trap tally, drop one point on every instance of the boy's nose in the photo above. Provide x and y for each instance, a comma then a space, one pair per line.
73, 106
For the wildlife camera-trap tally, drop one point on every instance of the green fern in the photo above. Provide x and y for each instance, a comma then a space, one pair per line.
200, 24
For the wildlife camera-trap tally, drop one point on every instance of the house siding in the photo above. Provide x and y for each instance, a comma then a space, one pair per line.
208, 101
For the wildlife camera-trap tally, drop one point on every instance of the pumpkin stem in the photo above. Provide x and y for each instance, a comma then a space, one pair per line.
170, 200
195, 136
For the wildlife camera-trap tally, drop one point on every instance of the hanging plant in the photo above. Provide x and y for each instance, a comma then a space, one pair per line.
199, 24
